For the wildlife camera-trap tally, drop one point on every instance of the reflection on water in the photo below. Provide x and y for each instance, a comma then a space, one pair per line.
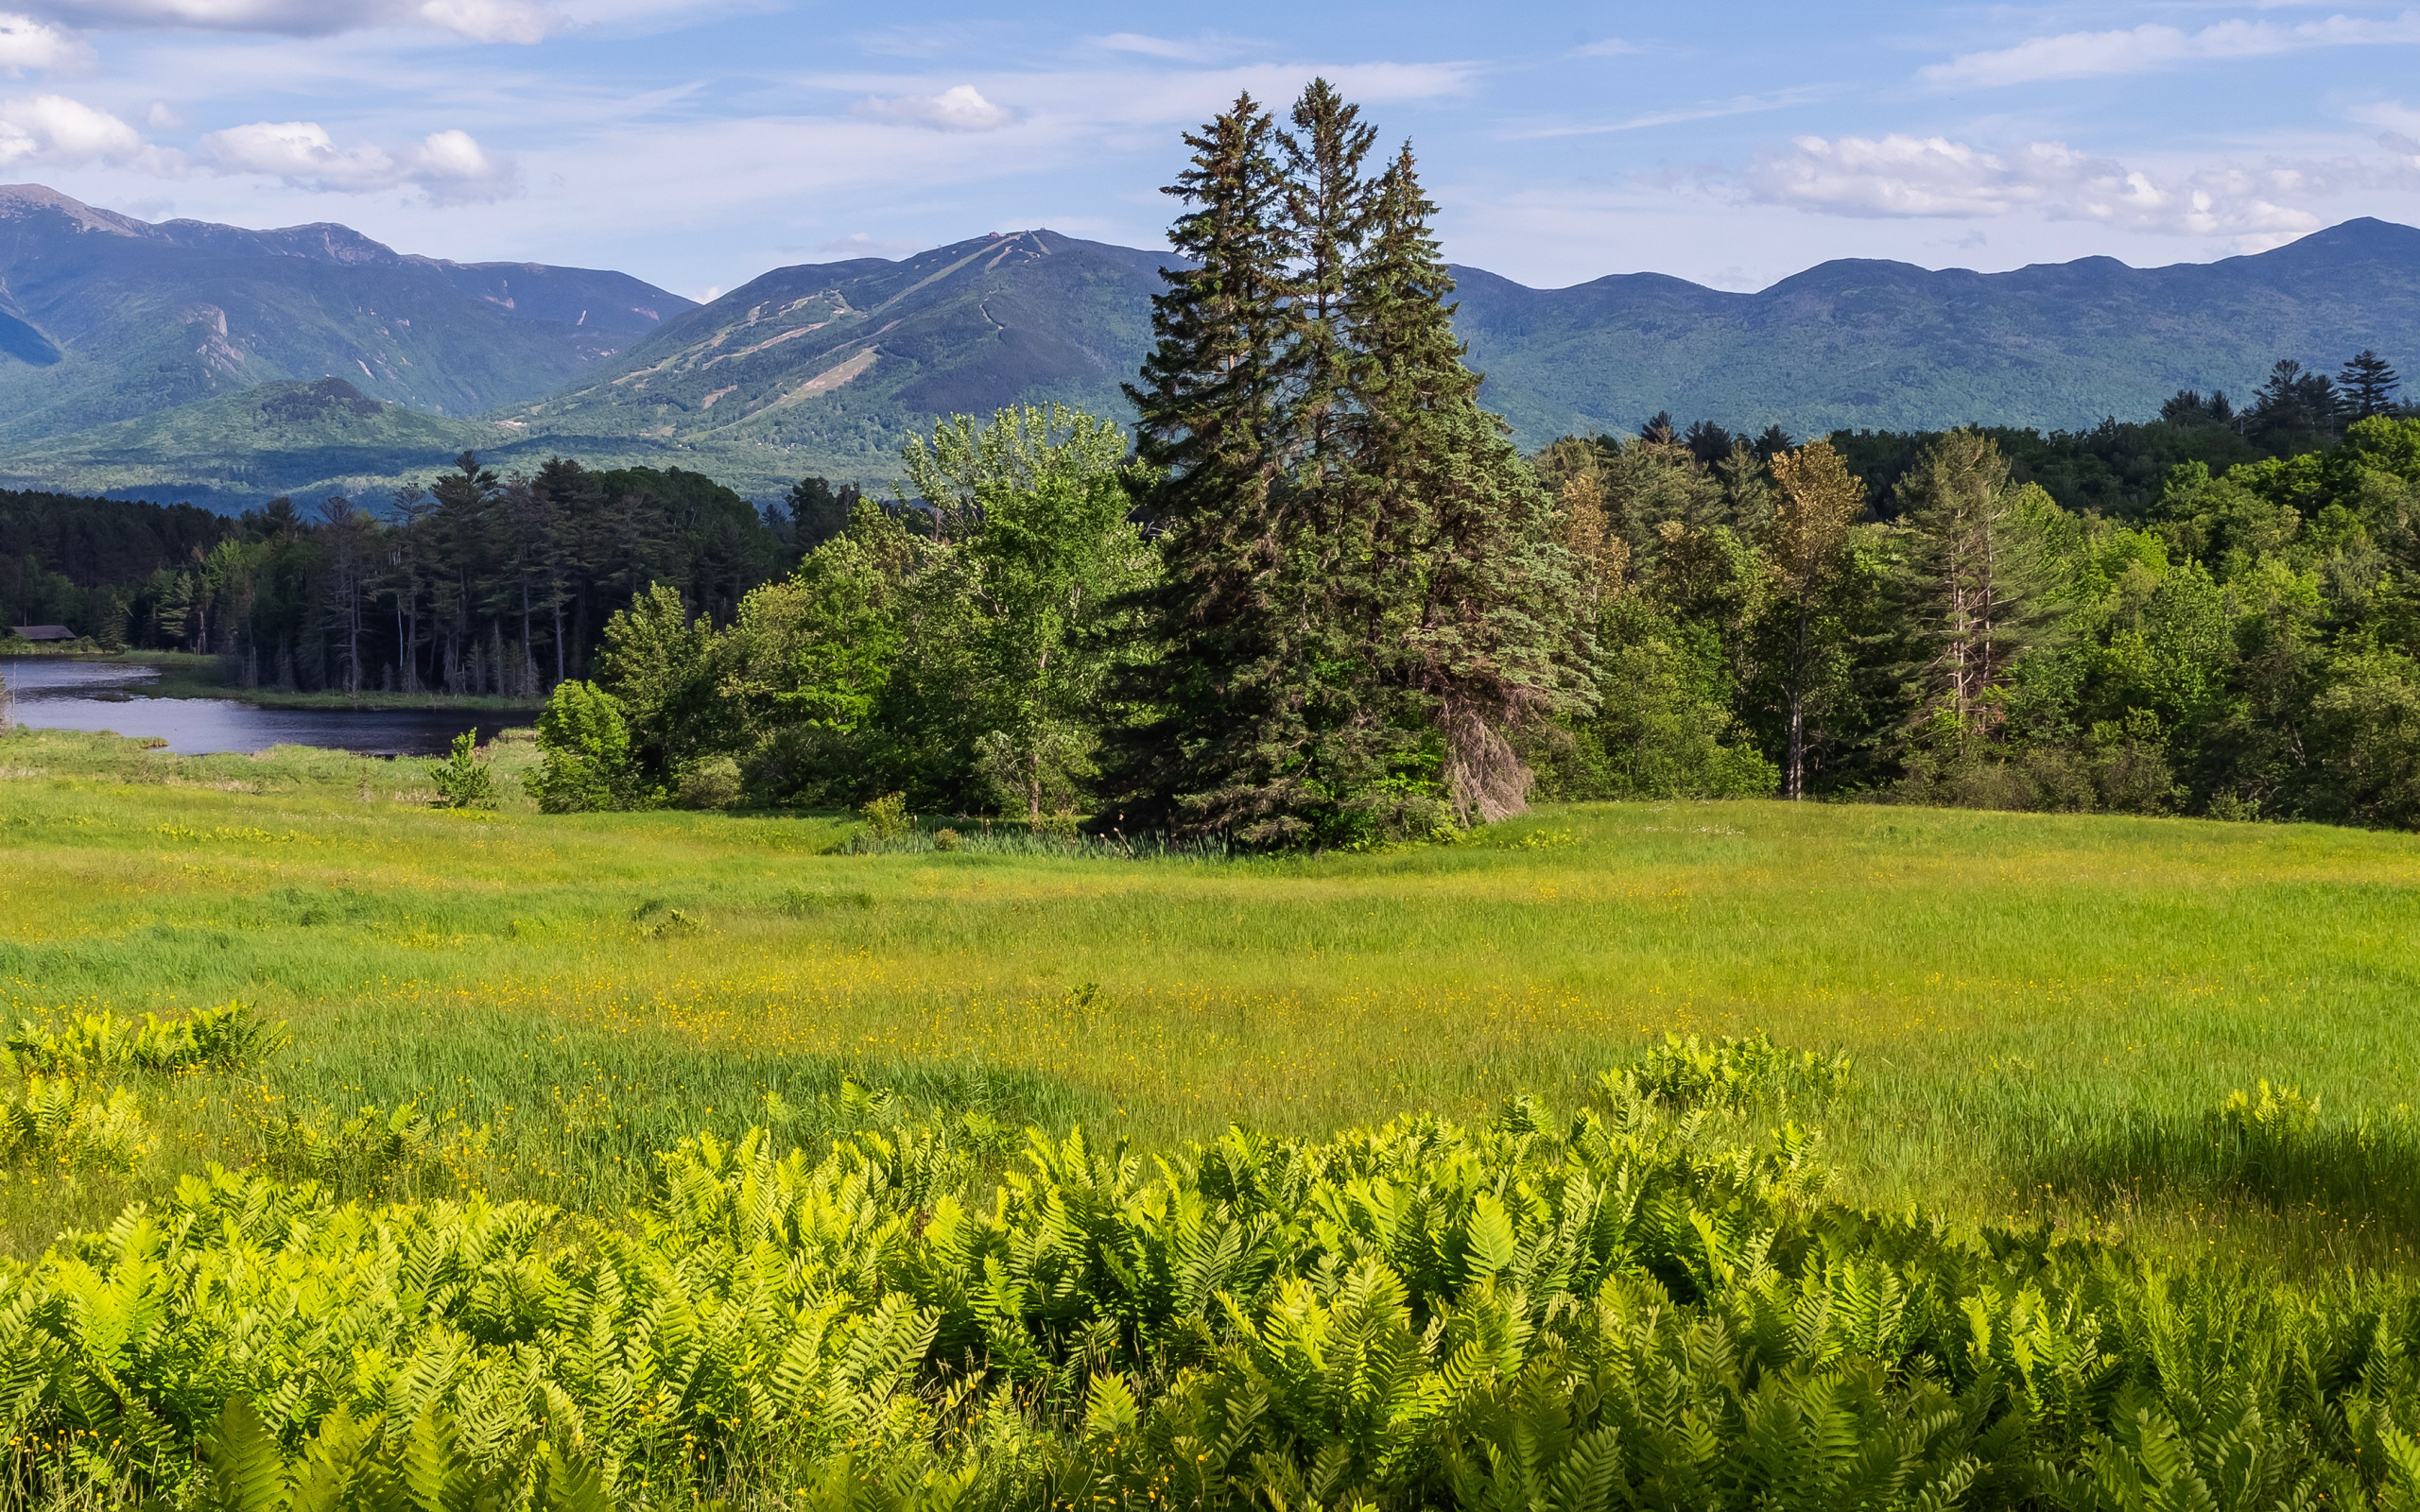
53, 692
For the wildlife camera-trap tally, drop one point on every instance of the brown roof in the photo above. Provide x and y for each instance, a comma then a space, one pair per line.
45, 632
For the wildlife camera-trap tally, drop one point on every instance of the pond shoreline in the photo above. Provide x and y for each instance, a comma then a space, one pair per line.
142, 699
189, 674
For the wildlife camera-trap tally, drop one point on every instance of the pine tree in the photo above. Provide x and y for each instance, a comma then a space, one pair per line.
2366, 386
1328, 206
1976, 580
1363, 589
2294, 410
1356, 734
1817, 502
1471, 581
1218, 745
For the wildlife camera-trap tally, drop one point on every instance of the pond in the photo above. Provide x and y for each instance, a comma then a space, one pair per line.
53, 692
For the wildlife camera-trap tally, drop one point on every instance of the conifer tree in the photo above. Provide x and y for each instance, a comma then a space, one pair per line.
1471, 581
1976, 580
1218, 745
2367, 384
1355, 737
1818, 500
1363, 589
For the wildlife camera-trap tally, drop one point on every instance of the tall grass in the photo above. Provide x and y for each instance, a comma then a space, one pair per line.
2047, 1012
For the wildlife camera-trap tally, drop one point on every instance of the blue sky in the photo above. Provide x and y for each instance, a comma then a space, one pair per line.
697, 142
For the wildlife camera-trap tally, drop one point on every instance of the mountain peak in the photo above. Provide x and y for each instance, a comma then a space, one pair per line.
2363, 233
20, 200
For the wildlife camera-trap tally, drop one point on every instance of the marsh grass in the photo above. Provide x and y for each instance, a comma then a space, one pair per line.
2046, 1015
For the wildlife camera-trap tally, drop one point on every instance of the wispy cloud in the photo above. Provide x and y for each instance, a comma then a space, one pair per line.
1706, 110
2096, 54
1610, 47
511, 20
1201, 47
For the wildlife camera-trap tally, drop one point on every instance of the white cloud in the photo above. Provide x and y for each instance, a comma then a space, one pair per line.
26, 43
1608, 47
513, 20
448, 166
1902, 176
2095, 54
163, 116
961, 107
52, 129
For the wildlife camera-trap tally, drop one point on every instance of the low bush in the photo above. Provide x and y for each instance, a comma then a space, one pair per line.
226, 1038
461, 779
1734, 1074
74, 1122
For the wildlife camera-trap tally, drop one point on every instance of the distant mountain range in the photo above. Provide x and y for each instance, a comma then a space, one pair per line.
222, 365
106, 318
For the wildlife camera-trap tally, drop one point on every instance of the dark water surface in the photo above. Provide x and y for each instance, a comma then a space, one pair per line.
53, 692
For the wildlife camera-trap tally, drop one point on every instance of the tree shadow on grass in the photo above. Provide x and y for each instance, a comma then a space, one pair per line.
2269, 1150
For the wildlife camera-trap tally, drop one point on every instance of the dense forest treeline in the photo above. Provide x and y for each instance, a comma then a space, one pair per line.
109, 568
479, 585
2242, 642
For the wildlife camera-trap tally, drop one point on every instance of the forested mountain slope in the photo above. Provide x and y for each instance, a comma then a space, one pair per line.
827, 367
106, 318
233, 450
1856, 343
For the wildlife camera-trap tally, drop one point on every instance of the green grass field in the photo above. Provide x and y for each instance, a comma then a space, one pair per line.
2046, 1013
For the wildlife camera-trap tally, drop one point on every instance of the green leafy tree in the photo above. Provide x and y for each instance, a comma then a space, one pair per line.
658, 663
584, 750
1040, 554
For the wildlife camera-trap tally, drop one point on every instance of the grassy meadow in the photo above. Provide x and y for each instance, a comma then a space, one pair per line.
2046, 1014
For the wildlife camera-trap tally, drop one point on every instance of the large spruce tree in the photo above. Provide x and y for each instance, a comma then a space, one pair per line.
1362, 587
1219, 744
1476, 602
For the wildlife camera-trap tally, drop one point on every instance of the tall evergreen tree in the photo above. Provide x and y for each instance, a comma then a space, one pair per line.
1363, 589
1358, 736
2294, 410
1219, 744
1974, 577
1472, 583
2366, 386
1818, 501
